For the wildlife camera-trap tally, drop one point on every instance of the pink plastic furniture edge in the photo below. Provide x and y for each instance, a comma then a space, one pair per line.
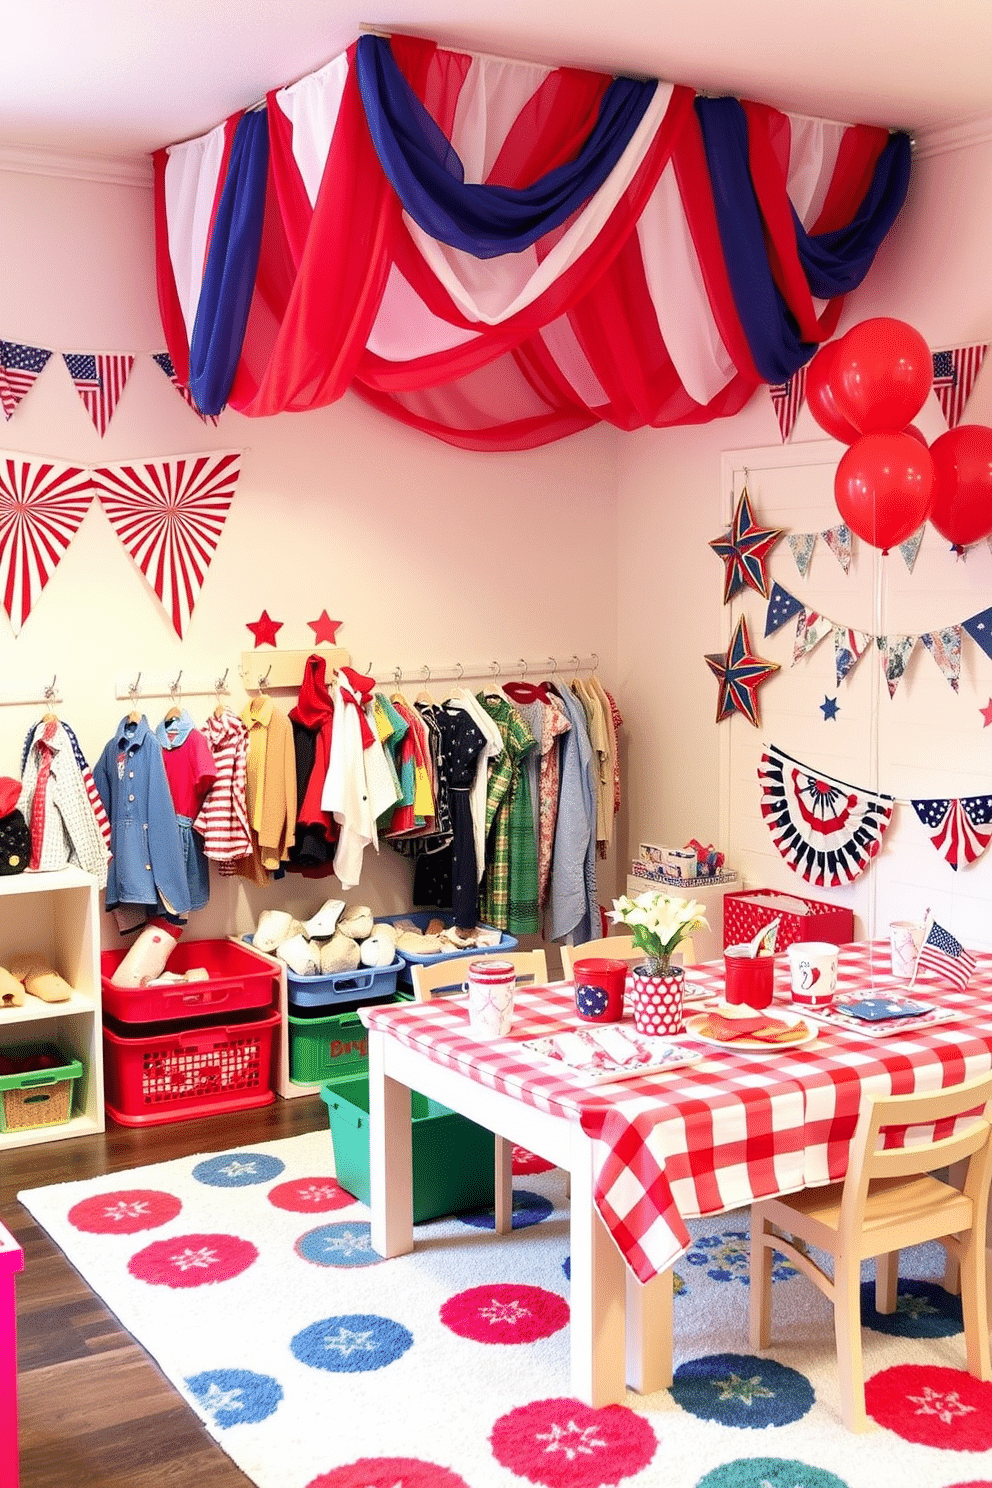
11, 1261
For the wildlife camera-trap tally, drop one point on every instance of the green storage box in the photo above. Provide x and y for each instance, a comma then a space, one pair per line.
327, 1048
452, 1157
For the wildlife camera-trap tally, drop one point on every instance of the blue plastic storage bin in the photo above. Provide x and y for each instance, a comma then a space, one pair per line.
363, 985
422, 918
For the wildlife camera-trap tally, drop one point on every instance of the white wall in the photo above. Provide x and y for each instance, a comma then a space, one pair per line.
429, 555
691, 777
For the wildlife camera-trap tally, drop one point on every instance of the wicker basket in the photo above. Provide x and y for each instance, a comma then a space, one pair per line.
39, 1097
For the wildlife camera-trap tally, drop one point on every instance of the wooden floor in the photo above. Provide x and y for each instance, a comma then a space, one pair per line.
95, 1412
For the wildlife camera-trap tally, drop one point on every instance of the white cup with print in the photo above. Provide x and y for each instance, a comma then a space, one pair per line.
813, 971
905, 940
490, 987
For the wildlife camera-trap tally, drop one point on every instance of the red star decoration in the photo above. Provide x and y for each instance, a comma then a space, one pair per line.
264, 629
986, 713
740, 674
744, 550
324, 629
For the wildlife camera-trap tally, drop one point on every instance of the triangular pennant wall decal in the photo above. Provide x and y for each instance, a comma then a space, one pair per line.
838, 540
896, 651
959, 830
910, 549
979, 627
945, 648
954, 374
781, 607
787, 398
42, 503
849, 647
19, 367
811, 629
163, 359
169, 514
99, 381
802, 545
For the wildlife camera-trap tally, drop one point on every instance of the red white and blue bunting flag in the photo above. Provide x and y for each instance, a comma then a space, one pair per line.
787, 399
837, 539
910, 549
163, 359
849, 647
19, 368
896, 652
945, 648
169, 514
42, 503
960, 830
954, 375
99, 380
811, 629
826, 830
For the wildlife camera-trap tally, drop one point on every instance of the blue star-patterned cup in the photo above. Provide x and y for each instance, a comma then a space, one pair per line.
599, 987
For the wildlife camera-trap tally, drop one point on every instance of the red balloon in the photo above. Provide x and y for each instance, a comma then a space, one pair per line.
881, 375
820, 397
917, 434
884, 488
962, 498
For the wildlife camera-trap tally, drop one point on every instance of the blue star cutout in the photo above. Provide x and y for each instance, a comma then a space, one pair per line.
829, 708
744, 550
740, 674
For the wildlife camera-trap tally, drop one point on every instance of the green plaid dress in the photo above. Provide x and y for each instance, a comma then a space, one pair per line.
509, 889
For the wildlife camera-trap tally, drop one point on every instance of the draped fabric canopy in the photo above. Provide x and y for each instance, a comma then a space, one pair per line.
501, 254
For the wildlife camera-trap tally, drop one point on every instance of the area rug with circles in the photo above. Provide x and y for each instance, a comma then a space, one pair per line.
250, 1278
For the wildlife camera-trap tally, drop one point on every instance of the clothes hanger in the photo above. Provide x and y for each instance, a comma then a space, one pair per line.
424, 695
174, 711
520, 691
220, 686
135, 714
50, 716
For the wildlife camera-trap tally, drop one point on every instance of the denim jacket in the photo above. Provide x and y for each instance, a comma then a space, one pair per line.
147, 865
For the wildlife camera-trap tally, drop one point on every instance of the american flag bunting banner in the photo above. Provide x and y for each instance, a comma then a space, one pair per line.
42, 503
896, 651
99, 380
788, 398
945, 648
827, 831
838, 540
811, 629
849, 647
19, 367
960, 830
169, 515
945, 957
954, 374
163, 359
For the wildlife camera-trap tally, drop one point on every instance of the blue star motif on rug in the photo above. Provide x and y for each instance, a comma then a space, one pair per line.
235, 1397
829, 708
740, 673
769, 1472
923, 1310
238, 1169
742, 1390
339, 1245
744, 550
355, 1343
528, 1209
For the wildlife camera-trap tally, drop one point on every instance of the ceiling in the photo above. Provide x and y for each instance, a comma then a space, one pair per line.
117, 78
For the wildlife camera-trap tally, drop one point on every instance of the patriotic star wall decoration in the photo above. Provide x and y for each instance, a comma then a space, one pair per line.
744, 550
740, 673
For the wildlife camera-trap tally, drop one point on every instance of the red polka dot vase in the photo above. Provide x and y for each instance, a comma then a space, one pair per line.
658, 999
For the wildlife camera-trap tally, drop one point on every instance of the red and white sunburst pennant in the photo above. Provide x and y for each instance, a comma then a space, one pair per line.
42, 503
169, 514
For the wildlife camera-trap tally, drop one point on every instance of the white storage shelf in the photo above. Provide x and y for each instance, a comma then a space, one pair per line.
56, 917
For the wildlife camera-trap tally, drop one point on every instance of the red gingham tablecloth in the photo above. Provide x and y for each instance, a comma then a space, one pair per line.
741, 1125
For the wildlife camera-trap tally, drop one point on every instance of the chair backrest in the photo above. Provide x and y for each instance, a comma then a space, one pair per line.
444, 978
618, 948
970, 1139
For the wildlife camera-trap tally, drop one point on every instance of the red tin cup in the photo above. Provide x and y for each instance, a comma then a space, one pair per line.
749, 980
599, 988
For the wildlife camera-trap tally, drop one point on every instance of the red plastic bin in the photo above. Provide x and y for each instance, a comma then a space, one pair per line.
177, 1074
238, 978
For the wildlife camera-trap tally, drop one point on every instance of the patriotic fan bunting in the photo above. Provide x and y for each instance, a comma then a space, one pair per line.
744, 550
42, 503
163, 359
827, 831
169, 514
99, 380
954, 374
19, 367
960, 830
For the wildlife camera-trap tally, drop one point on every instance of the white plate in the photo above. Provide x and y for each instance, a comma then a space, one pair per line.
834, 1016
694, 1024
668, 1055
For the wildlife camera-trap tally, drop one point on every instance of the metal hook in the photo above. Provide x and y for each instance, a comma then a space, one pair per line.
426, 671
577, 660
523, 666
133, 689
50, 690
398, 675
263, 681
220, 685
461, 671
495, 667
554, 665
174, 686
595, 661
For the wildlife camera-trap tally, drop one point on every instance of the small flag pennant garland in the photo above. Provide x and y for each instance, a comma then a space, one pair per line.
169, 515
954, 375
849, 647
959, 830
838, 539
945, 648
910, 549
946, 957
744, 550
19, 368
163, 359
42, 503
811, 629
826, 830
896, 651
782, 606
99, 380
787, 399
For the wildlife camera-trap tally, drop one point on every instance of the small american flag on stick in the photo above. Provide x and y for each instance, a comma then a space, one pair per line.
946, 957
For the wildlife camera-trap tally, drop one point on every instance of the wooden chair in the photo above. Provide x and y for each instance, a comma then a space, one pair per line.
618, 948
889, 1199
446, 977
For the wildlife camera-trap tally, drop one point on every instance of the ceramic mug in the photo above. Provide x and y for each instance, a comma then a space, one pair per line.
490, 986
813, 969
748, 980
599, 989
905, 939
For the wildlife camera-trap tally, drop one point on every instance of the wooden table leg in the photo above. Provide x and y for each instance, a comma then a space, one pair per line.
504, 1186
649, 1332
390, 1157
11, 1261
597, 1291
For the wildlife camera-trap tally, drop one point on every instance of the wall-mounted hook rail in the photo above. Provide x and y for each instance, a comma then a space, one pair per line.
545, 666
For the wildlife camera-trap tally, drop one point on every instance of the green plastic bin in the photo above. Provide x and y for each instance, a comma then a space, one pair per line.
452, 1157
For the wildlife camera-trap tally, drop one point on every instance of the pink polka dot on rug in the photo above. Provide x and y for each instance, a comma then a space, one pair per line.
973, 1483
529, 1162
565, 1444
310, 1196
124, 1212
934, 1407
192, 1260
388, 1472
505, 1313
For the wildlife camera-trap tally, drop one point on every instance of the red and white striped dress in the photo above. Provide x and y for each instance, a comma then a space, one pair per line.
223, 817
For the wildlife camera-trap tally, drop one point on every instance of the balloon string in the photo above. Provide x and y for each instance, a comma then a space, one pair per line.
879, 577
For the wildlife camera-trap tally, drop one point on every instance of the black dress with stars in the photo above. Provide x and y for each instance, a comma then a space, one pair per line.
450, 876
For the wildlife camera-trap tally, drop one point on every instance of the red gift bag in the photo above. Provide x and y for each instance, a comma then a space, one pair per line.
747, 910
